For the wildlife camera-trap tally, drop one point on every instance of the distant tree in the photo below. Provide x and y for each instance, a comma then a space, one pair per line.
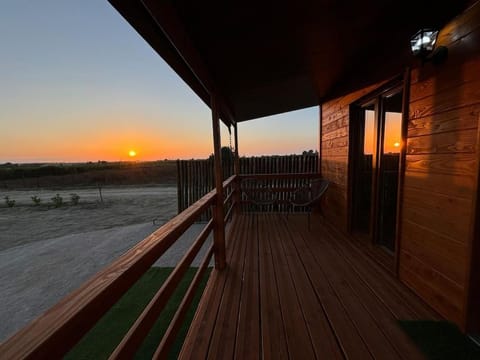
227, 153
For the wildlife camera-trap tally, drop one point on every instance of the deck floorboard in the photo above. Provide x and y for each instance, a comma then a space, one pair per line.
290, 292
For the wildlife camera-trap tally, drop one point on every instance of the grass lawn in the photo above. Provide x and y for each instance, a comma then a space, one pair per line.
102, 339
441, 340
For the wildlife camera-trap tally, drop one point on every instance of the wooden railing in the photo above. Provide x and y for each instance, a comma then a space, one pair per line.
280, 186
196, 177
55, 332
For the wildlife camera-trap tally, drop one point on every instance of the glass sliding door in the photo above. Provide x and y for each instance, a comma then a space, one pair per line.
364, 160
388, 170
376, 136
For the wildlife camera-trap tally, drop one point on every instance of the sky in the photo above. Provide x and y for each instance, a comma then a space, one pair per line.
77, 83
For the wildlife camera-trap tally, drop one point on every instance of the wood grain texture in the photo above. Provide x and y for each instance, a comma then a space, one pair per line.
442, 294
458, 185
440, 180
247, 342
323, 340
450, 99
339, 107
447, 164
338, 142
435, 79
464, 141
222, 341
446, 215
401, 302
340, 132
335, 152
334, 142
315, 296
335, 125
444, 254
340, 279
297, 335
463, 118
274, 342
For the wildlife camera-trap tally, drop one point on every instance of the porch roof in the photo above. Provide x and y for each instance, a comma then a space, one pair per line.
269, 57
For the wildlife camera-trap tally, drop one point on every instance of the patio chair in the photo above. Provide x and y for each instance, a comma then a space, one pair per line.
309, 196
258, 193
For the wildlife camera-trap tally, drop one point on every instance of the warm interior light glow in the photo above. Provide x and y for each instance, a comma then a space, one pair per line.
132, 153
397, 144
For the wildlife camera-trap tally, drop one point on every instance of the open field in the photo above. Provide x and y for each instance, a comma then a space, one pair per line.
47, 252
29, 176
25, 223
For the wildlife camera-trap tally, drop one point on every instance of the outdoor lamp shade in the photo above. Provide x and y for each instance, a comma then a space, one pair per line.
423, 42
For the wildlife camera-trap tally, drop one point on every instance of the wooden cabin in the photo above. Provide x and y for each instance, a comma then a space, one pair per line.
399, 235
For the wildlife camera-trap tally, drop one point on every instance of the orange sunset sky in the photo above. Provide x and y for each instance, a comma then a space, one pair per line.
84, 86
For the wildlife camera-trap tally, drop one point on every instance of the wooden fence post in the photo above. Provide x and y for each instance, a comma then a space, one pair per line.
218, 211
236, 170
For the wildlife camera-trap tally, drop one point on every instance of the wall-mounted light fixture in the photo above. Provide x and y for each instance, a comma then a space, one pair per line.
423, 46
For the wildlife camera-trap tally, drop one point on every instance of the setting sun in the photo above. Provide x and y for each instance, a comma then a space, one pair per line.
132, 153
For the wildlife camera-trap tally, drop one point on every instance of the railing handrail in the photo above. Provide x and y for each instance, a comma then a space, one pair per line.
279, 176
62, 326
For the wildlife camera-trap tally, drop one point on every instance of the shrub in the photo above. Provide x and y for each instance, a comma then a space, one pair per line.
10, 203
75, 198
36, 200
57, 201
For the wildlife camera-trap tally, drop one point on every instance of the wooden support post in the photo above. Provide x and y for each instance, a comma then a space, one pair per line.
237, 196
320, 134
218, 211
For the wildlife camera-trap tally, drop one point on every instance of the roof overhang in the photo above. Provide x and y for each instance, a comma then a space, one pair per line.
263, 58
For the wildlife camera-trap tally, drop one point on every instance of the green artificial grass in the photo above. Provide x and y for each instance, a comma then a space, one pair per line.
441, 340
102, 339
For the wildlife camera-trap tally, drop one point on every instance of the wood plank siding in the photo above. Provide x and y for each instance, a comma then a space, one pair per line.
293, 293
441, 169
335, 120
440, 181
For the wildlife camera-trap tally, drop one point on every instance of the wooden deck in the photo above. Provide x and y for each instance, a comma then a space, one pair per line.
293, 293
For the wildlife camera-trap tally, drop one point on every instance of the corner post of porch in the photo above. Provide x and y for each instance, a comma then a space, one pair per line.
237, 197
218, 209
320, 134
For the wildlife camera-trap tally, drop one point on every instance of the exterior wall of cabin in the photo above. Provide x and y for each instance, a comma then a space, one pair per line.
438, 213
334, 153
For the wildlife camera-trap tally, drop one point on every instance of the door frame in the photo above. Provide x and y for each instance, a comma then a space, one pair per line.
402, 83
472, 298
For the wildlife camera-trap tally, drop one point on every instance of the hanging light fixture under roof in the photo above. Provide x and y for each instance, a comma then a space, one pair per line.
422, 45
423, 42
